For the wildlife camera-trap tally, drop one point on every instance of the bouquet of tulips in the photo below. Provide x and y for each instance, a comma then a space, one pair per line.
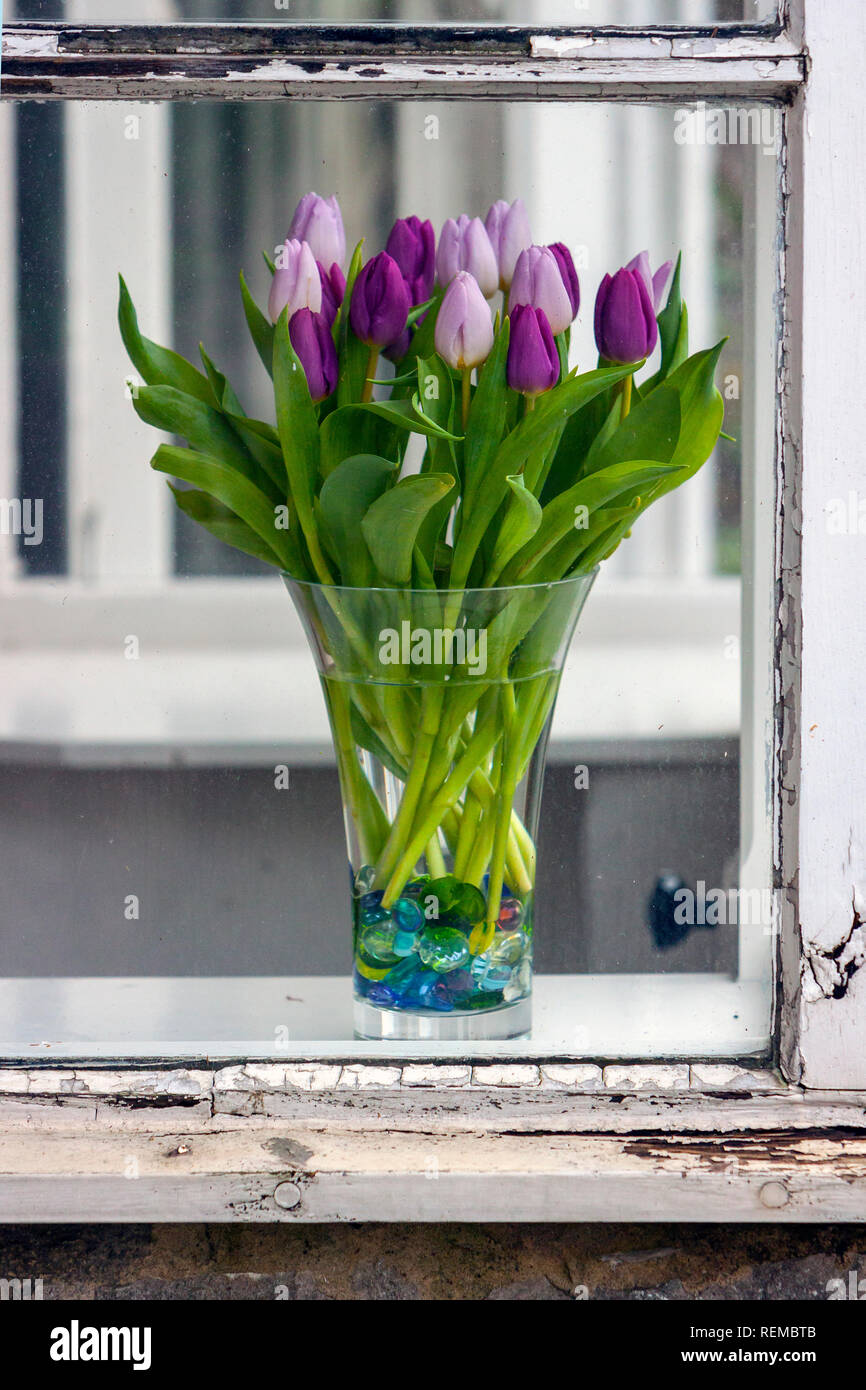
526, 473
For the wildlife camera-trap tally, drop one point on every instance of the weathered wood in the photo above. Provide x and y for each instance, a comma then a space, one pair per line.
363, 62
822, 615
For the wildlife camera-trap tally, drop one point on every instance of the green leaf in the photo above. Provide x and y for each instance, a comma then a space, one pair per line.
391, 525
223, 524
298, 428
560, 517
551, 412
261, 328
520, 523
347, 495
702, 410
348, 431
233, 490
158, 366
649, 431
487, 416
353, 354
207, 430
673, 327
365, 737
406, 415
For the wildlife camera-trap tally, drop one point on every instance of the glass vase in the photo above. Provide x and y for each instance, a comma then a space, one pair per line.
440, 704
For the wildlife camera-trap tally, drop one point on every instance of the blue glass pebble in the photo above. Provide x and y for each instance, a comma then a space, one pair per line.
371, 916
372, 899
379, 993
404, 943
408, 915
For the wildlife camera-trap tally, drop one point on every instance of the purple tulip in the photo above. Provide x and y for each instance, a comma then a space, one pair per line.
314, 343
538, 282
625, 322
396, 351
296, 284
412, 244
465, 245
464, 328
656, 284
533, 361
319, 222
380, 302
507, 226
333, 290
568, 273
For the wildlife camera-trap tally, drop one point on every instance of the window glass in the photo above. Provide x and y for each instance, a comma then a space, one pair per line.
153, 779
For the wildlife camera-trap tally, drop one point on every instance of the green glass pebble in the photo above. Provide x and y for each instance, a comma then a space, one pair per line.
468, 903
508, 949
408, 915
443, 949
445, 890
376, 946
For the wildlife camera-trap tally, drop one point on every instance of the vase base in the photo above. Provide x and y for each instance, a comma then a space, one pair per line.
479, 1025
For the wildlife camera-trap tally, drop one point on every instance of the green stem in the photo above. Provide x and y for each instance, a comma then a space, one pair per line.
372, 363
625, 396
425, 742
466, 395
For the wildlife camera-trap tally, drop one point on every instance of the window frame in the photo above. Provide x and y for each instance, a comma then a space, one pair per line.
558, 1138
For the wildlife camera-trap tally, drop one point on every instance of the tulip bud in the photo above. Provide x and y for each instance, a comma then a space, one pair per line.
533, 361
412, 244
380, 302
538, 282
333, 289
465, 245
656, 284
319, 222
569, 274
625, 323
508, 229
464, 328
313, 342
396, 351
296, 282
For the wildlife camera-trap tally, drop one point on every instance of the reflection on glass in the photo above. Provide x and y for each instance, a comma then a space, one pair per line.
233, 877
579, 13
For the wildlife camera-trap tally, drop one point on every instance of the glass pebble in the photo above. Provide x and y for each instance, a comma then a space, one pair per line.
469, 904
371, 916
510, 914
379, 993
444, 949
520, 982
373, 899
376, 946
408, 915
508, 948
365, 878
405, 942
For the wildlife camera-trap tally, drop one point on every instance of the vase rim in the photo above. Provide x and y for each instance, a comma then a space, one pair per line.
572, 579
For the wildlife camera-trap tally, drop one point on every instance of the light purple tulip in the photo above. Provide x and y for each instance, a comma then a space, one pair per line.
464, 328
625, 322
533, 362
465, 245
314, 344
656, 284
538, 282
507, 225
296, 283
319, 222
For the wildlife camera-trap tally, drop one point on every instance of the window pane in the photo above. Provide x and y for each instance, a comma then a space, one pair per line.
541, 13
152, 777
